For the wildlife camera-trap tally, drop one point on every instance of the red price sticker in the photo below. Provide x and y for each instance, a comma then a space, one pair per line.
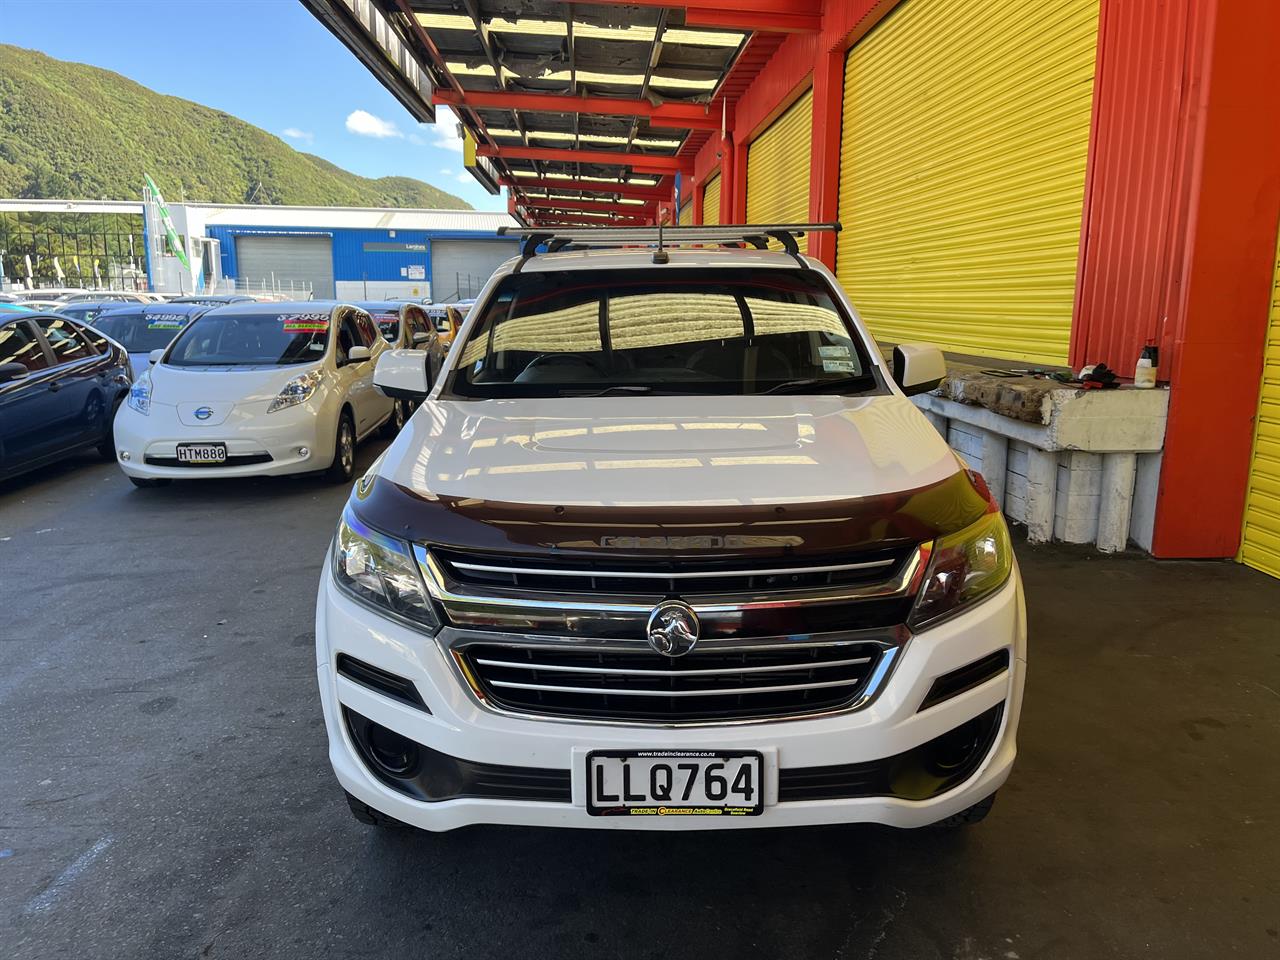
305, 322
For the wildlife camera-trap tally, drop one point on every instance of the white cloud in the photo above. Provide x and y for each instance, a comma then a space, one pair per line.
447, 172
445, 131
365, 124
293, 133
465, 178
416, 140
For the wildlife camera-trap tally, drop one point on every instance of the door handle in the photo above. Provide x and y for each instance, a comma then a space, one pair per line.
54, 386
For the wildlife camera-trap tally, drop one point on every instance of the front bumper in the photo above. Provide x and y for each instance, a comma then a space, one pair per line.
280, 436
460, 727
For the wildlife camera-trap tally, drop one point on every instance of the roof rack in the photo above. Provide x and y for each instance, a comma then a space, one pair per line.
756, 234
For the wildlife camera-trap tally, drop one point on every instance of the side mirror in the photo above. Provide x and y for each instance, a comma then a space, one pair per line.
421, 337
358, 354
13, 371
918, 367
402, 375
155, 355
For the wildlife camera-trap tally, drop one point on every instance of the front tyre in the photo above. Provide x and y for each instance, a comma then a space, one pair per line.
107, 445
343, 467
968, 817
395, 422
371, 817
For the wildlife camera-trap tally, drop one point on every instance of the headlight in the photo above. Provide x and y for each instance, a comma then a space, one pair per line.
296, 391
380, 570
964, 568
140, 394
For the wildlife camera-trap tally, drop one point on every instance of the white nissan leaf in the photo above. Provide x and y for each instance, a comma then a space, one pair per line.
256, 389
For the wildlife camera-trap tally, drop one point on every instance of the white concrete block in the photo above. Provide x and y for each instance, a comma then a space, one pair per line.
965, 441
1119, 471
1146, 485
995, 455
1042, 482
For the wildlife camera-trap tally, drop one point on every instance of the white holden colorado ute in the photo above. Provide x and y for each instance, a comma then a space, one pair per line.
667, 547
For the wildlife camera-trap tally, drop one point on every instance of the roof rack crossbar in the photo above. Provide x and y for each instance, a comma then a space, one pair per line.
757, 235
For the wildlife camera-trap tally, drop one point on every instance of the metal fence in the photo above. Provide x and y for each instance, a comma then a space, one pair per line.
273, 287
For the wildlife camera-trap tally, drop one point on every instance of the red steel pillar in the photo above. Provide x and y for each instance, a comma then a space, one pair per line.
824, 170
728, 177
738, 195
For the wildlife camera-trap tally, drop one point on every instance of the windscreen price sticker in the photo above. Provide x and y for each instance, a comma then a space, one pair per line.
166, 321
305, 322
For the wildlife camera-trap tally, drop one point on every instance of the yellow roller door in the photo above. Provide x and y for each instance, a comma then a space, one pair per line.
686, 214
963, 145
778, 168
1260, 546
711, 202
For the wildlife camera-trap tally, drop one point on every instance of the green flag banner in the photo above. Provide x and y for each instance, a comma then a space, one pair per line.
170, 234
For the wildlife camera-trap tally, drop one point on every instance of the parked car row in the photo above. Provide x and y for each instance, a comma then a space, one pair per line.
215, 386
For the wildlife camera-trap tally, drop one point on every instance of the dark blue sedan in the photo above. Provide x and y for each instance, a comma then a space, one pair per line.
60, 384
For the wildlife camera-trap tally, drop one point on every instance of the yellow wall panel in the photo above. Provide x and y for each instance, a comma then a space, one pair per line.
711, 202
686, 215
778, 168
1260, 544
963, 145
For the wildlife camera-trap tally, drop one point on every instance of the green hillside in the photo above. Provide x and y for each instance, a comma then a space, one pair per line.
75, 131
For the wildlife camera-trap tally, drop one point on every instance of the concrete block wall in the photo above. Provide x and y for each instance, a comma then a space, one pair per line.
1057, 487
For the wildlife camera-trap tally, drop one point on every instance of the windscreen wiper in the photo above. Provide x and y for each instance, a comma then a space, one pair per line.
822, 385
617, 388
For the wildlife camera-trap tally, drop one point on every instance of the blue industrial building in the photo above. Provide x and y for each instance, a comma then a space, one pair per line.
348, 253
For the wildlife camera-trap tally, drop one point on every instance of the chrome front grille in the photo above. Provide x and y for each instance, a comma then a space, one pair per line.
665, 578
612, 598
637, 684
567, 637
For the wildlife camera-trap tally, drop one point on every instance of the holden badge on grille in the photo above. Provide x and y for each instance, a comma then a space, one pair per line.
673, 628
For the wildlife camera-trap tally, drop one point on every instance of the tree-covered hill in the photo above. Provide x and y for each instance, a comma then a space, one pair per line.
68, 130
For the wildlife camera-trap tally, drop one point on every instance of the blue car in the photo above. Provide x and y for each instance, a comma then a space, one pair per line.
141, 328
86, 310
60, 384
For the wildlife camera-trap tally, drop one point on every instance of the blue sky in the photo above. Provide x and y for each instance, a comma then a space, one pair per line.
266, 61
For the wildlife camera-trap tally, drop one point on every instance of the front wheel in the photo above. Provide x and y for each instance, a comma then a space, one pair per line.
371, 817
343, 467
107, 445
969, 816
394, 423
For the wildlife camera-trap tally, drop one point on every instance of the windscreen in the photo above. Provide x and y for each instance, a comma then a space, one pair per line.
252, 339
136, 330
86, 310
668, 331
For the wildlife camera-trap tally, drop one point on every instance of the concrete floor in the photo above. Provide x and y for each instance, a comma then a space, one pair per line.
165, 790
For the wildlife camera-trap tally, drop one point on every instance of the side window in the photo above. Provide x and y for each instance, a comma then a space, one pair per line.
97, 342
345, 338
61, 334
350, 334
418, 322
19, 344
367, 329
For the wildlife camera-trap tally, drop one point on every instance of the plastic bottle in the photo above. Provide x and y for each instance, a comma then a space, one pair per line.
1144, 375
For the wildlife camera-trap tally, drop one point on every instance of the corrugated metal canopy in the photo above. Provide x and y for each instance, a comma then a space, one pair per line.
645, 86
580, 50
